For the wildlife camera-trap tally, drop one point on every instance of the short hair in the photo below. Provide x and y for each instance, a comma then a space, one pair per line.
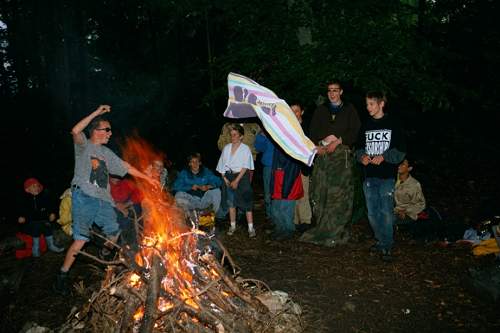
377, 95
194, 155
94, 124
239, 128
410, 159
298, 103
335, 81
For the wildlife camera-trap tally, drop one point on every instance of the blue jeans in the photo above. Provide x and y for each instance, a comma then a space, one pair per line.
379, 194
86, 210
282, 215
266, 177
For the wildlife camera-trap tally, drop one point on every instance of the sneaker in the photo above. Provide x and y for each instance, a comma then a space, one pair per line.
251, 233
231, 231
386, 255
374, 248
106, 254
61, 285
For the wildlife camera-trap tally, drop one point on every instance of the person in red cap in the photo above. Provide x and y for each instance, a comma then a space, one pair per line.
37, 215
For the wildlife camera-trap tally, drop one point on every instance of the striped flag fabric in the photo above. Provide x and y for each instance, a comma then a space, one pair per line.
249, 99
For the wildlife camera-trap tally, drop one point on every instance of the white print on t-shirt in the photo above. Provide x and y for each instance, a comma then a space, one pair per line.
377, 141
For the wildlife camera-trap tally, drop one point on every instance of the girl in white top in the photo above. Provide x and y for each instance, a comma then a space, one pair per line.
235, 160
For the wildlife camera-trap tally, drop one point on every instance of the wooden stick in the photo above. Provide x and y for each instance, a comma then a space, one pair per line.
150, 306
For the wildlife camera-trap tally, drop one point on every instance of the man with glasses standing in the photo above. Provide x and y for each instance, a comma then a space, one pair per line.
334, 128
91, 197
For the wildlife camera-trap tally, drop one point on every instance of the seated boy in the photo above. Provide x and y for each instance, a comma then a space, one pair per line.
196, 187
36, 216
410, 206
410, 200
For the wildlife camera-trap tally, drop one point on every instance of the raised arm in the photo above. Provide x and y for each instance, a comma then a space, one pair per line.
77, 130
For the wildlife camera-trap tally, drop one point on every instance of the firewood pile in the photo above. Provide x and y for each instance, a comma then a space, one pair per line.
181, 279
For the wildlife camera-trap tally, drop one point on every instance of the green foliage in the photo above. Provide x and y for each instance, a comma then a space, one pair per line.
369, 44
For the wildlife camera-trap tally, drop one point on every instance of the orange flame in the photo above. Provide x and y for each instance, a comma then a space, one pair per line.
165, 230
139, 314
134, 280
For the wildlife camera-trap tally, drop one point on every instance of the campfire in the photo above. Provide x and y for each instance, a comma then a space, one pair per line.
180, 279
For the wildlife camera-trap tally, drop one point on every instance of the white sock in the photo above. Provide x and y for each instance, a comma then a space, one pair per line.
250, 226
233, 224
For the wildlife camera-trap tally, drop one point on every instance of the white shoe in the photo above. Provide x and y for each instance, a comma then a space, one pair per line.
251, 233
231, 231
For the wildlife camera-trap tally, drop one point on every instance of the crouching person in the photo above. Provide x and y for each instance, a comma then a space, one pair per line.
196, 187
91, 197
37, 215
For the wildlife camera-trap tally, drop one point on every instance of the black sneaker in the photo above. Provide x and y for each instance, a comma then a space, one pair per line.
107, 254
61, 286
375, 248
386, 255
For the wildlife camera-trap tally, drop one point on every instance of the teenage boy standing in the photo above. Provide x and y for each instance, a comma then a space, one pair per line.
381, 147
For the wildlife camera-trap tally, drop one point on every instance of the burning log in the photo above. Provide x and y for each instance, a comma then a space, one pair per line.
150, 295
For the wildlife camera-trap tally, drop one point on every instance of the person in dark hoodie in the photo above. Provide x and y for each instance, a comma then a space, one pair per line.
36, 215
286, 186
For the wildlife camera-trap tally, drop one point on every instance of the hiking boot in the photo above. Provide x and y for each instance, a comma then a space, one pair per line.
231, 231
386, 255
251, 233
61, 285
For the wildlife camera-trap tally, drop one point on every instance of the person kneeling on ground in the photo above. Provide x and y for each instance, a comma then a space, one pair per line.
36, 216
196, 187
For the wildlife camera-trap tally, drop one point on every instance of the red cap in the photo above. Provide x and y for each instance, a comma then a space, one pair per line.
31, 181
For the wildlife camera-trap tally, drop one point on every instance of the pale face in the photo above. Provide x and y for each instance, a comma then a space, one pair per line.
335, 93
298, 112
235, 136
195, 164
375, 108
157, 169
102, 133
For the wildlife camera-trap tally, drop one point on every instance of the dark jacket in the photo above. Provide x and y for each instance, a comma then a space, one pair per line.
343, 124
36, 207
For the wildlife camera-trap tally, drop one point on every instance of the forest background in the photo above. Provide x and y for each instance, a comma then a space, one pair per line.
162, 66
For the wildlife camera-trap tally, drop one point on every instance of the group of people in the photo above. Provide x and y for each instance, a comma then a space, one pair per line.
294, 194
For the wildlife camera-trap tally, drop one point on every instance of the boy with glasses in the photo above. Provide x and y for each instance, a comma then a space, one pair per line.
91, 197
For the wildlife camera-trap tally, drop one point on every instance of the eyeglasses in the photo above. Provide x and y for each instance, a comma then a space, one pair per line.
107, 129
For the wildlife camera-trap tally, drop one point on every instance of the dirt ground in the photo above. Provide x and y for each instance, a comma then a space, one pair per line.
344, 289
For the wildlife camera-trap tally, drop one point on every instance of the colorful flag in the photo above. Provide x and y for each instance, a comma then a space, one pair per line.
249, 99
